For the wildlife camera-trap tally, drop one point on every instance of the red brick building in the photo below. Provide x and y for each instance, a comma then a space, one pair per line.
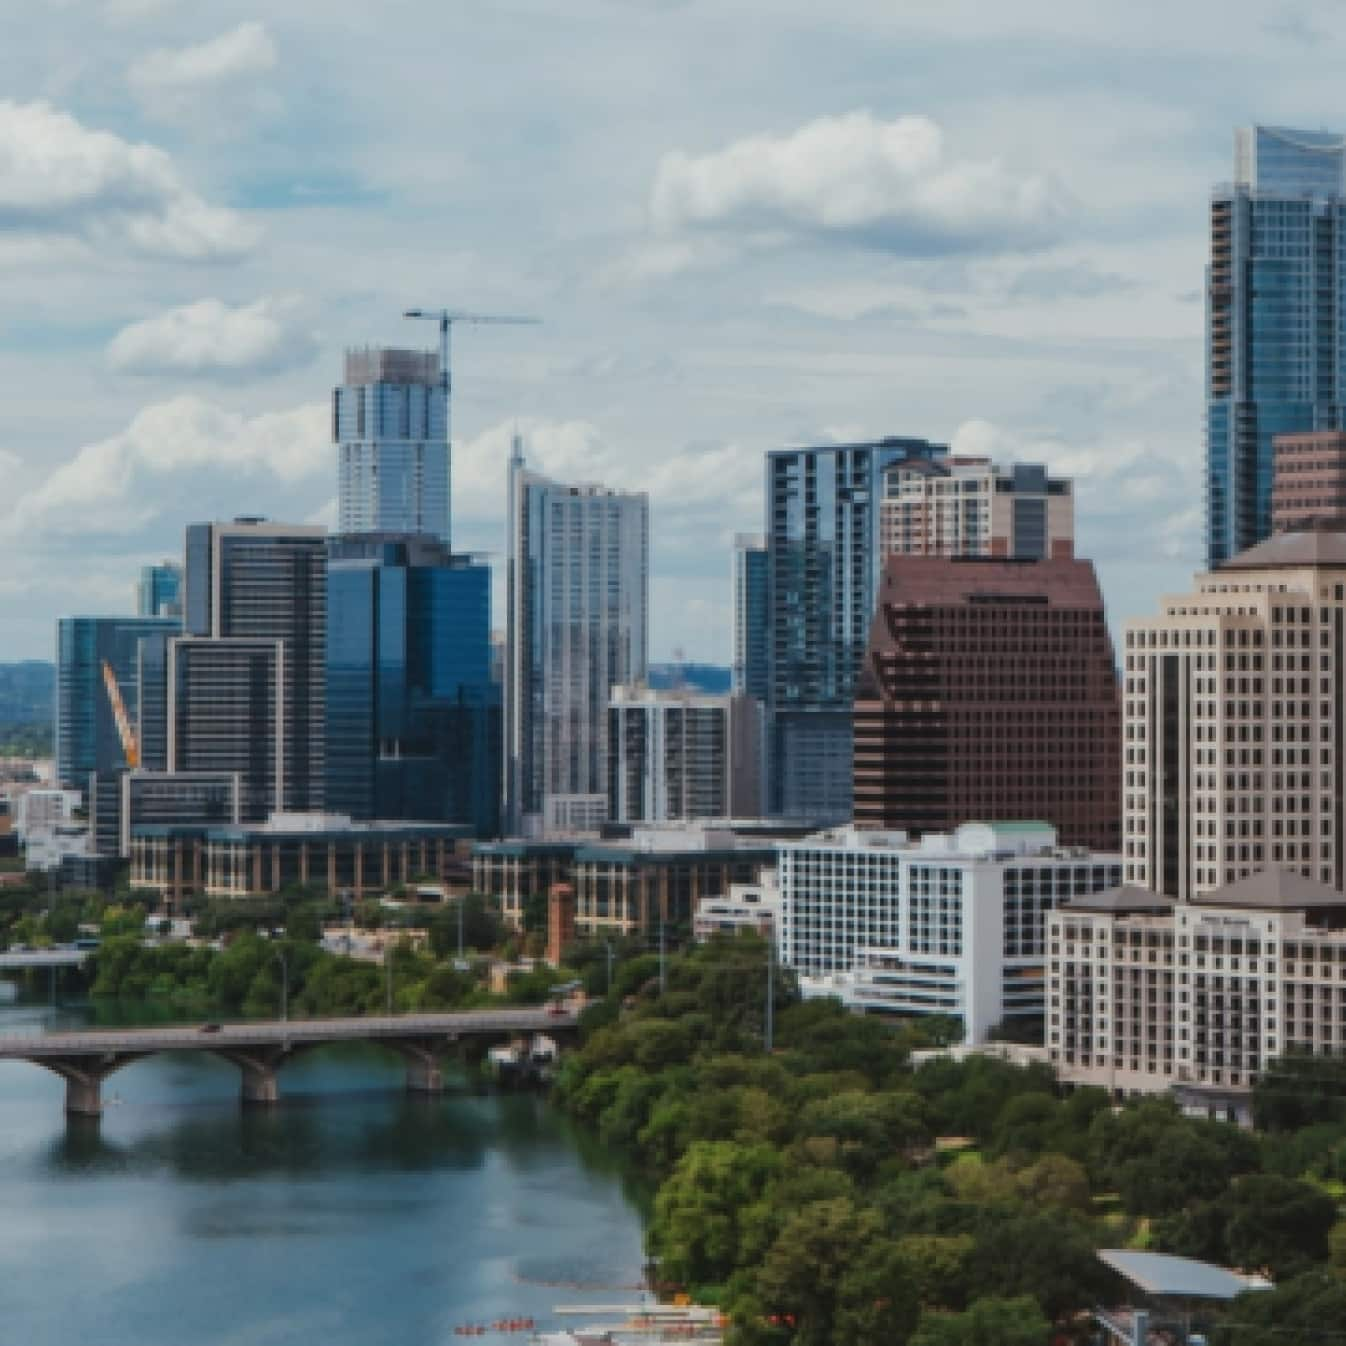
1310, 479
989, 691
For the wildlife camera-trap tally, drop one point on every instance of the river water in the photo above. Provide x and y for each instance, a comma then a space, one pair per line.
349, 1215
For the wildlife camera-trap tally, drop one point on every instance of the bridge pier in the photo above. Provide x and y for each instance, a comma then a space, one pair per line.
257, 1069
423, 1073
84, 1095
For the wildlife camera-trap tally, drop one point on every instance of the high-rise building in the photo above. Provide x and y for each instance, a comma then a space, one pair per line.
1235, 711
751, 616
159, 590
681, 755
1309, 485
257, 592
970, 507
413, 713
86, 734
578, 625
390, 420
1275, 357
822, 537
989, 690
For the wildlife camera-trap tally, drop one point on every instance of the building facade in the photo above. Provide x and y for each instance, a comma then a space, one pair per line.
413, 712
1309, 485
1275, 287
680, 755
822, 536
159, 590
955, 924
577, 626
989, 690
1147, 995
752, 620
1234, 706
970, 507
390, 421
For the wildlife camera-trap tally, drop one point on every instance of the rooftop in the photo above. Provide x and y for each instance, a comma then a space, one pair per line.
1274, 889
1129, 897
1322, 544
1168, 1277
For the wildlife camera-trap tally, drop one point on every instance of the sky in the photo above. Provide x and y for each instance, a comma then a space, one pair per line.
744, 224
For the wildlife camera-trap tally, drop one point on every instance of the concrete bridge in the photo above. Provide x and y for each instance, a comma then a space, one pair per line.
11, 961
84, 1059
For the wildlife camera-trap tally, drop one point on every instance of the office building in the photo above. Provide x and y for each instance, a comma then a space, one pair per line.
746, 907
681, 755
751, 616
160, 798
822, 537
413, 713
970, 507
989, 690
38, 810
159, 590
578, 626
86, 734
1275, 359
955, 924
1309, 485
1147, 995
1234, 705
258, 592
390, 421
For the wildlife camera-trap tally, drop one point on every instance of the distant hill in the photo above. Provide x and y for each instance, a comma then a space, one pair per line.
701, 677
26, 692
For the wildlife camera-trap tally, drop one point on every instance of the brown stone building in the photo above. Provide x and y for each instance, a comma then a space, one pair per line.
989, 690
1310, 480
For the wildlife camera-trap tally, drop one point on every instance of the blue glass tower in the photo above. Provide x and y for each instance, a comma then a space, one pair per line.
413, 714
390, 420
1275, 341
159, 592
751, 622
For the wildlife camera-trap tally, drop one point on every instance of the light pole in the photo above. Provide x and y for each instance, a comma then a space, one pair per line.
607, 944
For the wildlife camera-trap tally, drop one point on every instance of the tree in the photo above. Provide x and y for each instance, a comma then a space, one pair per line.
1299, 1090
1048, 1254
987, 1322
1279, 1224
1309, 1308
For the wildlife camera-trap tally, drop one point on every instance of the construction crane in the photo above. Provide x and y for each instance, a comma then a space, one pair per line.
446, 317
130, 746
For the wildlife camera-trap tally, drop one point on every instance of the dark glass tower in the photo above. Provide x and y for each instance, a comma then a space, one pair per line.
413, 714
1275, 292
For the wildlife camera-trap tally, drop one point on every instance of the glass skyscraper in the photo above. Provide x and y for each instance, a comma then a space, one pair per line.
390, 420
822, 537
1275, 340
413, 714
159, 591
751, 624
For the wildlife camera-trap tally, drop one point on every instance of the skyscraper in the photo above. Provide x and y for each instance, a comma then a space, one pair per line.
751, 618
159, 590
413, 714
577, 626
822, 537
1275, 288
390, 420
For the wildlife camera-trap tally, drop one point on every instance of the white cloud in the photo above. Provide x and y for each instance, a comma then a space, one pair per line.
60, 179
211, 338
185, 457
887, 185
238, 54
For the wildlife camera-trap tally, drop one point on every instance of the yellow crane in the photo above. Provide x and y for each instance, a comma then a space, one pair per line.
130, 746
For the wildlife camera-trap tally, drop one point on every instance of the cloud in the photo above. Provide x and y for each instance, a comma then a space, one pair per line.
238, 54
60, 179
212, 339
177, 458
885, 185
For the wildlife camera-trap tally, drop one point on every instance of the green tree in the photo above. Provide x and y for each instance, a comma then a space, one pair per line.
987, 1322
1308, 1309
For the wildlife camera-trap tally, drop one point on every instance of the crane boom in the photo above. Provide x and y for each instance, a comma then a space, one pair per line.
130, 746
446, 317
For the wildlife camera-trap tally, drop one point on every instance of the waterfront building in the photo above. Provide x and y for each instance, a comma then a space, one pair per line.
1234, 718
1275, 286
680, 755
1148, 996
159, 590
970, 507
746, 906
1309, 486
952, 924
161, 798
37, 810
989, 690
390, 420
413, 712
752, 621
822, 537
520, 873
578, 625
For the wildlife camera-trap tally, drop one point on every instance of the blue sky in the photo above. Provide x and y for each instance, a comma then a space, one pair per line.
745, 223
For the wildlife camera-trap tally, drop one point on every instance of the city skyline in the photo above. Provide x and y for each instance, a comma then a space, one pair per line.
283, 213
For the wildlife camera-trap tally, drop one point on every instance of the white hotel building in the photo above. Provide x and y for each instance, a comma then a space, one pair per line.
952, 924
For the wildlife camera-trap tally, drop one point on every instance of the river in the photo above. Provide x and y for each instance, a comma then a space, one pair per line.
349, 1215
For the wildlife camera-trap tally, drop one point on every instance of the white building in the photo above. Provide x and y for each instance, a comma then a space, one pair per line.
747, 906
42, 810
952, 924
578, 625
1146, 995
44, 847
